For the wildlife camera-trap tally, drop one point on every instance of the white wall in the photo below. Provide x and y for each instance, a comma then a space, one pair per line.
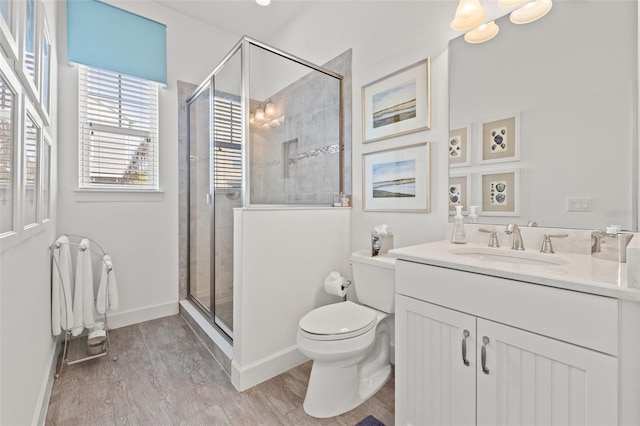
385, 36
26, 345
141, 236
282, 257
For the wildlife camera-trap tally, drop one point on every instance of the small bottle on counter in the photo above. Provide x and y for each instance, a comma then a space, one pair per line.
473, 216
458, 236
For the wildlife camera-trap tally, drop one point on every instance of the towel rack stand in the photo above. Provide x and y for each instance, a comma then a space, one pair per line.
76, 348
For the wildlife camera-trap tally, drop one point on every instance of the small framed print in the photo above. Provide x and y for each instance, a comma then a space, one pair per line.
459, 154
457, 192
398, 103
397, 179
500, 191
500, 140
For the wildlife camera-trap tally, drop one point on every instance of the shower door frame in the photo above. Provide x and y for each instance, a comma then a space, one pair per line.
209, 83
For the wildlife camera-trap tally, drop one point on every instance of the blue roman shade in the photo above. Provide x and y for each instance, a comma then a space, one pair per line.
103, 36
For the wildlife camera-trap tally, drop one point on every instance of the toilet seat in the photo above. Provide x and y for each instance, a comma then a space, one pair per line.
338, 321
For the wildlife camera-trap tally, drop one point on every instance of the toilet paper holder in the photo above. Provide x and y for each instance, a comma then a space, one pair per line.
346, 284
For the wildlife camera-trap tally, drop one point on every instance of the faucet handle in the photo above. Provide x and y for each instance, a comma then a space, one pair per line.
547, 247
493, 239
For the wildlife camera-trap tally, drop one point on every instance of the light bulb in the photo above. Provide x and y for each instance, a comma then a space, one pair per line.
259, 114
263, 2
252, 118
270, 109
469, 14
531, 11
509, 3
484, 32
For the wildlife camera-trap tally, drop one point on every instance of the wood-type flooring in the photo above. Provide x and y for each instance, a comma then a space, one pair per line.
164, 375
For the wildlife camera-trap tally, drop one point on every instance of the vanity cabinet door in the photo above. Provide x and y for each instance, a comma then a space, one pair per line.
434, 385
530, 379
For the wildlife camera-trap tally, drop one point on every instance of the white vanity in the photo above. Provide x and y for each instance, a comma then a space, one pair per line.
506, 337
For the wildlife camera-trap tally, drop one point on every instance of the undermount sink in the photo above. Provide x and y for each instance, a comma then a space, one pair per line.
510, 256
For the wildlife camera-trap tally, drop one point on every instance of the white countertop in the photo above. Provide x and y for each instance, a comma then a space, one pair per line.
582, 273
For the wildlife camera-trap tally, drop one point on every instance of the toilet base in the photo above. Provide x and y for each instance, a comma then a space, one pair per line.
335, 394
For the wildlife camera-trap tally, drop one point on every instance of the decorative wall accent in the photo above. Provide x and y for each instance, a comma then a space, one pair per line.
459, 147
398, 103
500, 140
457, 192
500, 193
397, 179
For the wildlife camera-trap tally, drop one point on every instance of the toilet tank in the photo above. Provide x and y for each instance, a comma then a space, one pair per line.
375, 280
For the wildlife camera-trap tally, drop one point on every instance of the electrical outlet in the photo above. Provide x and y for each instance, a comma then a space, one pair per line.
578, 204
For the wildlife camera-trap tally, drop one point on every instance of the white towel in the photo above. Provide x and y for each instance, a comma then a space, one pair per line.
108, 285
61, 306
83, 295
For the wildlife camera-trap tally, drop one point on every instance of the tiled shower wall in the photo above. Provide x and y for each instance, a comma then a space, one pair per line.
299, 161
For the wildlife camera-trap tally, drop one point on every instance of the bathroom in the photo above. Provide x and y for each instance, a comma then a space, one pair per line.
146, 236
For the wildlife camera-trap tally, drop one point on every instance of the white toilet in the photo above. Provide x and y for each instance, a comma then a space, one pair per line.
349, 342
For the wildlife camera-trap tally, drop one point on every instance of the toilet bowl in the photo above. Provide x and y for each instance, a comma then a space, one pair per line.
349, 342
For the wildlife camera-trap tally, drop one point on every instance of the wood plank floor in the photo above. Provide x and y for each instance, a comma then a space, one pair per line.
165, 376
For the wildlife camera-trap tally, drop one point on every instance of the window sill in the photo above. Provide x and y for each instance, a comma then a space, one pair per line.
113, 195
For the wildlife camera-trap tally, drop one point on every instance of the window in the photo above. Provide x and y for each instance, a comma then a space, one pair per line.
118, 131
228, 141
31, 153
7, 147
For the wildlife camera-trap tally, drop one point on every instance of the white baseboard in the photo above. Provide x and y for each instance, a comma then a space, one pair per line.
136, 316
245, 377
40, 415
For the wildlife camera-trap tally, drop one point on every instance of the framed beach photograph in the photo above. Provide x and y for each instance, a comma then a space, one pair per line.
398, 103
459, 155
457, 192
397, 179
500, 191
500, 140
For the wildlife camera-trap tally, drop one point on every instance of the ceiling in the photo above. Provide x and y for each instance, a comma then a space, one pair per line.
242, 17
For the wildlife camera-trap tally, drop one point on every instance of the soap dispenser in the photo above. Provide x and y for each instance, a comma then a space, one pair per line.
458, 236
473, 216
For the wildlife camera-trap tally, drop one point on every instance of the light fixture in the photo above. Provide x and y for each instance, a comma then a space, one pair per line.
252, 118
509, 3
484, 32
260, 114
531, 11
469, 14
270, 110
263, 2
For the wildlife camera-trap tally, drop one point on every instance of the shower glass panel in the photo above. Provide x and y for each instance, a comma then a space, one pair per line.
226, 182
199, 113
294, 131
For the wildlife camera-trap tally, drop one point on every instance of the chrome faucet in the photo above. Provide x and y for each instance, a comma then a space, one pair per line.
512, 228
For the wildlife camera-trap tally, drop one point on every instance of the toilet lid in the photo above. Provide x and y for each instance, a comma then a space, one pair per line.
338, 319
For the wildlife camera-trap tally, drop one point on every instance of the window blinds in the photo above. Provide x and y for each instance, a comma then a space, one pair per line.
227, 130
118, 131
103, 36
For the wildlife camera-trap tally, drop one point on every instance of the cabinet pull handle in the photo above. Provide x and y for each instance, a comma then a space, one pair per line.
465, 361
485, 342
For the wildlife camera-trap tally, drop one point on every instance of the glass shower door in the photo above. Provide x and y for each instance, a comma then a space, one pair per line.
200, 229
215, 185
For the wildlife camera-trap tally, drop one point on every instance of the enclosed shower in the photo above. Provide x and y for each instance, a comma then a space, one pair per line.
264, 131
